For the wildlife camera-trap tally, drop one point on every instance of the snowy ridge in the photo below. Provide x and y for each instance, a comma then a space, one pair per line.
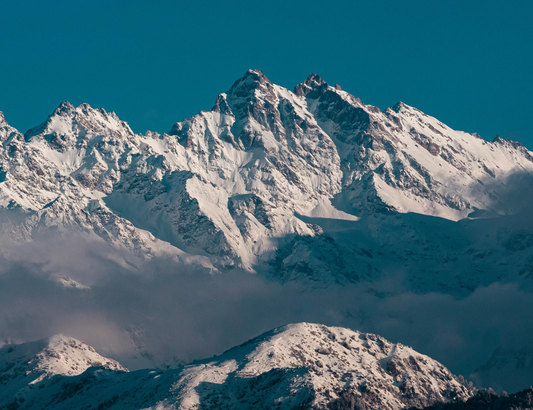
297, 366
405, 160
229, 187
321, 365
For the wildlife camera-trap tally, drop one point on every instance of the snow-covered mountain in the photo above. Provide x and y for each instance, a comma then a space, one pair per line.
25, 367
294, 367
233, 186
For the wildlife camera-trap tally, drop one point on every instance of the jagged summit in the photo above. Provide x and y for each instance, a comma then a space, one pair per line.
69, 126
7, 132
221, 105
399, 106
253, 75
311, 83
64, 109
252, 80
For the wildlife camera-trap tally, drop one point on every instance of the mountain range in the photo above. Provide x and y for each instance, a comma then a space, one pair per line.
309, 187
244, 184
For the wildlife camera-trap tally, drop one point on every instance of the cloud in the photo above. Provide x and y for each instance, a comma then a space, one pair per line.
167, 312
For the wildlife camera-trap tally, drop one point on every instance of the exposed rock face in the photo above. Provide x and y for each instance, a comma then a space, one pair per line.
298, 366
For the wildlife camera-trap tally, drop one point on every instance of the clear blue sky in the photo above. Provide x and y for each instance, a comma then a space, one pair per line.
468, 63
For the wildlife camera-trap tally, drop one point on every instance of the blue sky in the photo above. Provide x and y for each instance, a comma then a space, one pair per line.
468, 63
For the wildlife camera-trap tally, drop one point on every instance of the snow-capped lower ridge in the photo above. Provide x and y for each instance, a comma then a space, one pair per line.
298, 366
233, 186
25, 367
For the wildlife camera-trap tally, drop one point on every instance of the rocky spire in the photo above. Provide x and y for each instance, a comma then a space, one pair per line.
64, 109
312, 82
221, 105
247, 84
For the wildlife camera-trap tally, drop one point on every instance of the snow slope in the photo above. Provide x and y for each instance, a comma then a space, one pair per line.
302, 365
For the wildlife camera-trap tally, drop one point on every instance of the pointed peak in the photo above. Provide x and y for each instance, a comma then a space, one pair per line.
86, 109
509, 142
314, 79
2, 119
251, 80
67, 123
86, 106
255, 73
313, 82
399, 106
403, 107
221, 105
253, 76
65, 108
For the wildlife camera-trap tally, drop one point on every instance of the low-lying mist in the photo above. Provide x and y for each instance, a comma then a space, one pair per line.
160, 312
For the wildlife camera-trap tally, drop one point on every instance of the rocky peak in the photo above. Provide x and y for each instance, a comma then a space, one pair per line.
399, 106
313, 82
253, 98
255, 75
70, 126
64, 109
221, 105
247, 85
6, 131
344, 116
513, 145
